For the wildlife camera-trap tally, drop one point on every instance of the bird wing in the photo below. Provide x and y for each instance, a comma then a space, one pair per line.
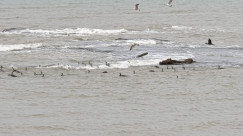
132, 46
170, 2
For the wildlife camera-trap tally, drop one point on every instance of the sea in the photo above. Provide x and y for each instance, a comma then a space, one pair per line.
68, 32
85, 35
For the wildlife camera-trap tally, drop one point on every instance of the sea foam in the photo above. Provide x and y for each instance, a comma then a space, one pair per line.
68, 31
19, 46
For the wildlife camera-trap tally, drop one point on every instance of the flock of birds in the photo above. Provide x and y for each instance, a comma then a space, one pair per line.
17, 73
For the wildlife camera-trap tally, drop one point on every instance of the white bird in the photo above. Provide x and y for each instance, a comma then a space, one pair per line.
169, 3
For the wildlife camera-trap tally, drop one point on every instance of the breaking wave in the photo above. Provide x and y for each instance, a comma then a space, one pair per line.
19, 47
67, 31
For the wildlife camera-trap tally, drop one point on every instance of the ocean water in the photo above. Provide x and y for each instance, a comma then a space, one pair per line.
74, 36
72, 31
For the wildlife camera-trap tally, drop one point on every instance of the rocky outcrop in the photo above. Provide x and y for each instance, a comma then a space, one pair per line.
176, 62
188, 61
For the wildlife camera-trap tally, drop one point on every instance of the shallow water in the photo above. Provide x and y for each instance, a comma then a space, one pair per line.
200, 101
74, 36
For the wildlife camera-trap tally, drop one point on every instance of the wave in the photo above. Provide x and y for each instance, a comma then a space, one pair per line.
77, 32
142, 41
67, 32
105, 32
19, 47
120, 42
181, 27
196, 30
117, 64
213, 30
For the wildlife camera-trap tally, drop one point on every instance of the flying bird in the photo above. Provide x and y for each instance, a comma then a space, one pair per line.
133, 45
169, 3
209, 42
141, 55
136, 6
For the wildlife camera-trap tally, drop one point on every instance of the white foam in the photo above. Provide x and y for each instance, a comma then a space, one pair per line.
142, 41
126, 64
68, 31
19, 46
81, 32
212, 30
149, 31
181, 27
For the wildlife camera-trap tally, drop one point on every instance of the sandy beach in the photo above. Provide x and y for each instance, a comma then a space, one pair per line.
173, 102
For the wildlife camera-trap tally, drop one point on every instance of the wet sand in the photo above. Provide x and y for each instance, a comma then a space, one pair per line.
194, 101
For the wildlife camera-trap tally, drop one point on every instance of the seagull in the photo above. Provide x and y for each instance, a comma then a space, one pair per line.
133, 45
136, 6
169, 3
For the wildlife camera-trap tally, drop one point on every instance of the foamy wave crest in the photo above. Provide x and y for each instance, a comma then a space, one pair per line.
142, 41
127, 64
213, 30
68, 31
149, 31
19, 46
181, 27
118, 64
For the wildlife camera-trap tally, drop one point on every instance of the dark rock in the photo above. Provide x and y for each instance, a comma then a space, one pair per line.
188, 61
176, 62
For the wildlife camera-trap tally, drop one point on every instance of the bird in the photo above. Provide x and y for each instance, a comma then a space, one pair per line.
1, 69
209, 42
107, 64
90, 64
133, 45
169, 3
220, 67
12, 75
122, 75
183, 67
14, 70
136, 6
141, 55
